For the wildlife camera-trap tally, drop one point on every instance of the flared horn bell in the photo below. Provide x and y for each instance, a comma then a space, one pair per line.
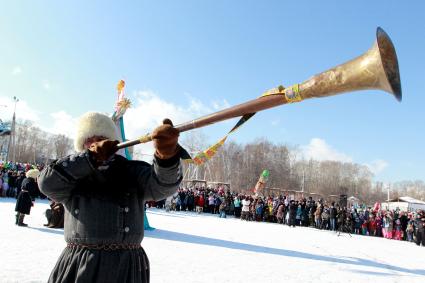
377, 68
389, 62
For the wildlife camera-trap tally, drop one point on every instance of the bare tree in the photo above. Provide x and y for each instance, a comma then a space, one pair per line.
62, 145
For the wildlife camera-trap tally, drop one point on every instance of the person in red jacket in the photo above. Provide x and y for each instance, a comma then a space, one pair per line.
372, 226
200, 201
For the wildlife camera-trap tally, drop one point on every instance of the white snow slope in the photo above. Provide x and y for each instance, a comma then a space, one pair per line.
187, 247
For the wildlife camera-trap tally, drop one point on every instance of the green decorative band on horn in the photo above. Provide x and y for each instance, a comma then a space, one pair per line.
146, 138
292, 94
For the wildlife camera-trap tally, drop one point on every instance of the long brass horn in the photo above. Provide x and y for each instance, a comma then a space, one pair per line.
375, 69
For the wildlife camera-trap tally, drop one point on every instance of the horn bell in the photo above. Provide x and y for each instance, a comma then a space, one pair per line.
377, 68
389, 62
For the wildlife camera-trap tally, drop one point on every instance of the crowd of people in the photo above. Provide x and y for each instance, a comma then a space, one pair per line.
368, 221
18, 180
12, 175
362, 220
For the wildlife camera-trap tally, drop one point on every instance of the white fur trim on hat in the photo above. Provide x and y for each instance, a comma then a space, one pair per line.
94, 124
32, 173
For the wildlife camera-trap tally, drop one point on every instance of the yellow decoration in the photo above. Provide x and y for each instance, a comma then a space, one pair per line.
120, 85
292, 94
125, 103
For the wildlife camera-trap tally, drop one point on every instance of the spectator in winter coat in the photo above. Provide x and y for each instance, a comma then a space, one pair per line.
200, 203
222, 208
379, 224
183, 200
279, 214
12, 184
298, 215
387, 227
238, 207
410, 229
349, 222
190, 201
332, 217
372, 225
217, 202
318, 217
404, 219
325, 218
357, 222
104, 195
245, 208
420, 228
211, 203
55, 215
292, 213
19, 180
230, 210
178, 203
30, 184
304, 214
311, 212
398, 232
24, 200
341, 219
5, 187
365, 227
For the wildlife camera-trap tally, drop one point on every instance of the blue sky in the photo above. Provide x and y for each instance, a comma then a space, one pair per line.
185, 59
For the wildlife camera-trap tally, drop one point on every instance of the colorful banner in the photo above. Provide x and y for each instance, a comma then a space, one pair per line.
291, 95
261, 183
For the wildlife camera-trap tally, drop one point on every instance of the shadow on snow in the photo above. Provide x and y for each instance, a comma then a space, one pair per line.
187, 238
48, 230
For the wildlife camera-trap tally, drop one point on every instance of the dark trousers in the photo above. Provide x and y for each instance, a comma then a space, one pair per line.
420, 237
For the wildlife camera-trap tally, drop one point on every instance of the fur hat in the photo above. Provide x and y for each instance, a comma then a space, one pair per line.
94, 124
32, 173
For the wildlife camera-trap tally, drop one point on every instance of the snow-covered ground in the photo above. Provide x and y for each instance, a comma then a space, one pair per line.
186, 247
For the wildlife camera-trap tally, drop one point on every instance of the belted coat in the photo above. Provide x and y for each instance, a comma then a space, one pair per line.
104, 206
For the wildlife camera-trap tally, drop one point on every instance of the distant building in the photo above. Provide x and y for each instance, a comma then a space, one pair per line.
404, 204
353, 202
4, 128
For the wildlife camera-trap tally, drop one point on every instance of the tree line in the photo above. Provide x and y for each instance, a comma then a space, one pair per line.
241, 165
33, 145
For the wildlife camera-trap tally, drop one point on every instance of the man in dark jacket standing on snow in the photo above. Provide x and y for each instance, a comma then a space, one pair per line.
24, 201
332, 216
420, 228
292, 213
104, 194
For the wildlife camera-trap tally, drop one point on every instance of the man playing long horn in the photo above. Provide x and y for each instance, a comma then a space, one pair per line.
104, 194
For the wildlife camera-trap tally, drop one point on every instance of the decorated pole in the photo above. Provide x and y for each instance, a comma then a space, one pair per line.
118, 117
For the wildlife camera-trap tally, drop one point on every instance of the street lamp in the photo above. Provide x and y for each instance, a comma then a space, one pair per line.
12, 133
2, 132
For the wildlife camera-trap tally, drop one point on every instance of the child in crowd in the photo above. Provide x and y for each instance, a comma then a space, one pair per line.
398, 232
365, 224
410, 228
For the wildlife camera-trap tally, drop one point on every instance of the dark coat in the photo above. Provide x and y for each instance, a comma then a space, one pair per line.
19, 183
55, 215
30, 185
105, 206
332, 212
23, 203
292, 210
